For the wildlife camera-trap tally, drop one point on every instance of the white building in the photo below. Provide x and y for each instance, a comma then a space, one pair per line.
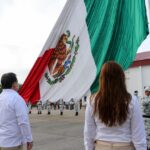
138, 75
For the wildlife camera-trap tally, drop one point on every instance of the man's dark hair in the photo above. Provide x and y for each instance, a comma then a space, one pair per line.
8, 79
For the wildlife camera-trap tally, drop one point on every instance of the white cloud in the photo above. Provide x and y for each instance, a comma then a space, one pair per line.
4, 4
24, 27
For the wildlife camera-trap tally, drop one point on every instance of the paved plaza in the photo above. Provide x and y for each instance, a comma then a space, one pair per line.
55, 132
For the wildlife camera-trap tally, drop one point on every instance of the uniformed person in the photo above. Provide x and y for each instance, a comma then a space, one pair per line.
61, 106
54, 104
146, 113
80, 104
136, 93
76, 107
72, 104
48, 107
67, 105
29, 107
39, 107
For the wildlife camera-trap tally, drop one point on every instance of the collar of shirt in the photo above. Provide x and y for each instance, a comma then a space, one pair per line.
9, 90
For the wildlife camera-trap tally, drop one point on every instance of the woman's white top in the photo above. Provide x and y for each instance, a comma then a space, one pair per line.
132, 130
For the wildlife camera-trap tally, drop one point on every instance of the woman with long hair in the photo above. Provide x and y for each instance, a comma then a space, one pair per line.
113, 119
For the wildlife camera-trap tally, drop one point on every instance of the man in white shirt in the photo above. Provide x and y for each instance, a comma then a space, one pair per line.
15, 128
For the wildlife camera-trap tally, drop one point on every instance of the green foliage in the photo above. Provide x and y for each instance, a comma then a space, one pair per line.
20, 85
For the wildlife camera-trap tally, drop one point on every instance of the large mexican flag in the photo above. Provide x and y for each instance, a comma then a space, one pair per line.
87, 34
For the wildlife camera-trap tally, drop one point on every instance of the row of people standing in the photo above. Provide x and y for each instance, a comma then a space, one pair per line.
60, 105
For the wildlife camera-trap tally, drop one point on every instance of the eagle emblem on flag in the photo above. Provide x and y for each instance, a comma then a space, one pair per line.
63, 58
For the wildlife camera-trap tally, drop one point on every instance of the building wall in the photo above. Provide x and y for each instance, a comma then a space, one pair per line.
137, 78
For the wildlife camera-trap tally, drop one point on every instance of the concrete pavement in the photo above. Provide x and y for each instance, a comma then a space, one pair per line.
55, 132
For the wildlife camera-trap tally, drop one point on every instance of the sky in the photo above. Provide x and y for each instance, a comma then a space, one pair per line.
24, 28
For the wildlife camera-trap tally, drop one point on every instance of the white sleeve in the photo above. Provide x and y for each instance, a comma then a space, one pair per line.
137, 127
23, 120
89, 128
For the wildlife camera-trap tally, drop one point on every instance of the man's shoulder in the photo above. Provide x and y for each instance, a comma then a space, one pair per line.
11, 98
15, 94
17, 98
10, 94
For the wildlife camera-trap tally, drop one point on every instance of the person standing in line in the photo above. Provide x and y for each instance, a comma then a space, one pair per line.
15, 128
76, 107
146, 114
113, 118
61, 106
29, 107
71, 104
48, 107
80, 104
136, 93
39, 107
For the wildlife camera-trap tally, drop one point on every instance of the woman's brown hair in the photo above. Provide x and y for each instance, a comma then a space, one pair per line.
112, 99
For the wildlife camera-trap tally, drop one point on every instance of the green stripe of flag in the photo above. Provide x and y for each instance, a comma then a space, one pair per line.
116, 29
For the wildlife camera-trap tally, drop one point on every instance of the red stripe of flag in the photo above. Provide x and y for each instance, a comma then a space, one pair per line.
30, 89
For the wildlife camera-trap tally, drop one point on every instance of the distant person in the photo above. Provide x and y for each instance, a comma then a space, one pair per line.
80, 104
146, 102
48, 107
55, 105
113, 119
146, 113
39, 107
76, 108
15, 128
61, 106
29, 107
136, 93
147, 91
71, 104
